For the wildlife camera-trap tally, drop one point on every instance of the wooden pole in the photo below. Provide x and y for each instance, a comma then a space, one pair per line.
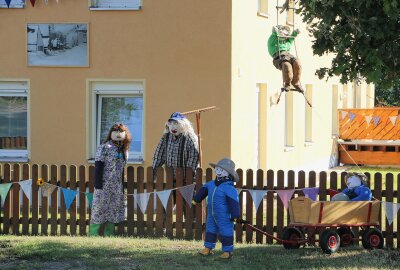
198, 125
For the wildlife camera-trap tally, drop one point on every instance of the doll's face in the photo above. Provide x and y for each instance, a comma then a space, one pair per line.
118, 135
219, 172
353, 182
174, 127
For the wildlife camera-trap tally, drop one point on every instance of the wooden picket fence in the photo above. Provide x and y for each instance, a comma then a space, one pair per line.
49, 216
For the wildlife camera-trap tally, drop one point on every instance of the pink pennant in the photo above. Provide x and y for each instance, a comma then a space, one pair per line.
33, 2
285, 196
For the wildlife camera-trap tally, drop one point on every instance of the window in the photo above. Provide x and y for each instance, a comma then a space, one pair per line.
13, 121
117, 102
262, 8
115, 4
308, 117
289, 140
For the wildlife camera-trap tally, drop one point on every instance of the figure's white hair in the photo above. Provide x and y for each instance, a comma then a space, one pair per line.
187, 130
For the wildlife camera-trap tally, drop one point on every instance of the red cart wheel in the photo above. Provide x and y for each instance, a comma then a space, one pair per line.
291, 234
346, 236
330, 241
372, 238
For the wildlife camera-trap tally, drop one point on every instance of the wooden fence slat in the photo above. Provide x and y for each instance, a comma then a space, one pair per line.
322, 186
179, 204
35, 200
91, 188
130, 175
140, 189
150, 204
239, 227
25, 203
312, 180
72, 208
168, 213
259, 211
389, 198
291, 185
280, 208
198, 208
160, 208
63, 210
15, 199
7, 200
54, 201
398, 216
270, 205
45, 203
188, 207
82, 200
249, 205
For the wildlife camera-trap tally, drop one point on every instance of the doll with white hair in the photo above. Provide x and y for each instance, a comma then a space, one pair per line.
357, 189
178, 147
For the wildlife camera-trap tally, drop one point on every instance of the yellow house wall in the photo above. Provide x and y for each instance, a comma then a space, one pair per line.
252, 65
180, 49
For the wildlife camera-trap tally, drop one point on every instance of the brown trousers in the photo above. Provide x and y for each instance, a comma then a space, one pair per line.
291, 69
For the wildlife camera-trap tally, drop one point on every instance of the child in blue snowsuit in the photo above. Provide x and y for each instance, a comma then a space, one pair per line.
357, 189
223, 207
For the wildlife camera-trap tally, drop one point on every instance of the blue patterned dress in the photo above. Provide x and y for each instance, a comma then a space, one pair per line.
108, 203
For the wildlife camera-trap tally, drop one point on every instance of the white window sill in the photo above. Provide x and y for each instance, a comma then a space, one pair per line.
307, 144
113, 8
14, 159
289, 148
265, 15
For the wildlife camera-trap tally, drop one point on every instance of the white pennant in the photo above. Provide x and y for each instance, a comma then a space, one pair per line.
391, 210
368, 119
344, 114
46, 1
393, 119
142, 200
187, 193
239, 190
164, 196
47, 189
26, 187
257, 196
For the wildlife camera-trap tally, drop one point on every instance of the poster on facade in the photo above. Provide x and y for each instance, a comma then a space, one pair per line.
57, 44
12, 3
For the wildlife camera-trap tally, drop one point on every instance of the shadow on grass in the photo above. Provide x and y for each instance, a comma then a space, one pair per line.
122, 253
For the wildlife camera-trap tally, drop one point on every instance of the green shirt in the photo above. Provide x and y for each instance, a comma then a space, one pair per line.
284, 43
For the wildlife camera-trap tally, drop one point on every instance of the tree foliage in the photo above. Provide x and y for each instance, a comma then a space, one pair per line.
363, 35
388, 96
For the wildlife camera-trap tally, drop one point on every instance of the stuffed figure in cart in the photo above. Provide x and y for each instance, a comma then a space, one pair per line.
108, 198
357, 189
223, 208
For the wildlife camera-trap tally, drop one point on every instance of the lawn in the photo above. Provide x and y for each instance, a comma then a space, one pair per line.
43, 252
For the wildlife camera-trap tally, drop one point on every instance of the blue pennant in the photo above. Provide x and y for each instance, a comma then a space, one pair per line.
69, 196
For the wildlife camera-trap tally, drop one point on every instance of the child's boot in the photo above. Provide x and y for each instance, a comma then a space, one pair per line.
226, 255
94, 229
109, 229
206, 252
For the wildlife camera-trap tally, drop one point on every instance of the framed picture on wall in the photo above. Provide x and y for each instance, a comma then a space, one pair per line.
12, 4
58, 44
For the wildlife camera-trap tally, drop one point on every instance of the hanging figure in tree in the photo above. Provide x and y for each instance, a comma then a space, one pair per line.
279, 44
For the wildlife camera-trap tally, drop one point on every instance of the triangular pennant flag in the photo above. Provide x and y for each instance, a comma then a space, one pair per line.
391, 210
368, 119
69, 196
332, 192
142, 200
164, 196
47, 189
239, 190
376, 120
26, 187
257, 196
8, 3
33, 2
344, 114
285, 196
46, 2
89, 197
352, 116
4, 188
393, 119
187, 193
311, 193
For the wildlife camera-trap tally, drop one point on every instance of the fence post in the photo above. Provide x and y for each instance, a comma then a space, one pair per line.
54, 200
389, 198
140, 189
199, 210
35, 201
168, 211
259, 211
249, 205
45, 204
188, 207
150, 204
130, 177
25, 203
280, 208
239, 227
270, 205
82, 200
63, 211
179, 204
160, 207
15, 199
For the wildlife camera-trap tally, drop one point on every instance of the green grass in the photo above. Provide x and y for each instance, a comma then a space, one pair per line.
135, 253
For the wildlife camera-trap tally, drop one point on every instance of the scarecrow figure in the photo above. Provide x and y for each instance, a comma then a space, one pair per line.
279, 44
357, 189
108, 199
178, 147
223, 208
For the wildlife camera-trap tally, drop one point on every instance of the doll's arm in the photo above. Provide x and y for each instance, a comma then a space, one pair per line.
159, 155
232, 199
99, 168
201, 194
363, 194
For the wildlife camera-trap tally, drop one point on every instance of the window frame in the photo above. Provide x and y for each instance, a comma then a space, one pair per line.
16, 89
112, 88
93, 6
260, 12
